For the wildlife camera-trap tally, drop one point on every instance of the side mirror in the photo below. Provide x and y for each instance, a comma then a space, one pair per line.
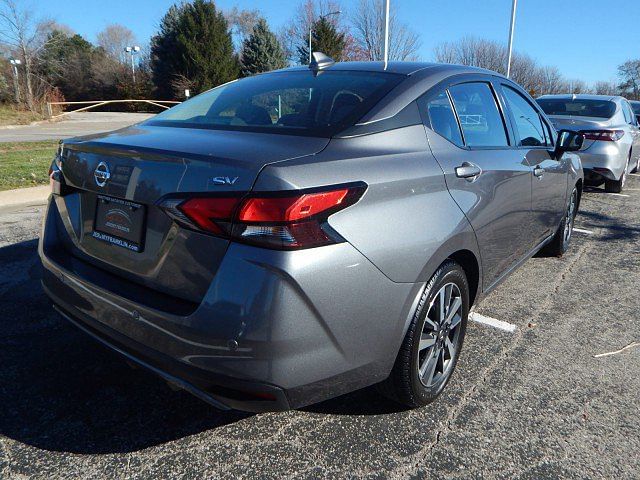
568, 141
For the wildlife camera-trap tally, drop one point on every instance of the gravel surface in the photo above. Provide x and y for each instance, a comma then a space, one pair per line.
534, 403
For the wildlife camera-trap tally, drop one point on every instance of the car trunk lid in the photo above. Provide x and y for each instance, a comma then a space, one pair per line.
145, 164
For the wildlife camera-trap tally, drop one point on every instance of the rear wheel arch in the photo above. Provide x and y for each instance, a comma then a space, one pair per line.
579, 186
469, 263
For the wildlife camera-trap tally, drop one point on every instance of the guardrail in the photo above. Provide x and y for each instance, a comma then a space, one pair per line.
99, 103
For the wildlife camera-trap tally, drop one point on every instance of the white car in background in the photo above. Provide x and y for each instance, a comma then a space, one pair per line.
611, 148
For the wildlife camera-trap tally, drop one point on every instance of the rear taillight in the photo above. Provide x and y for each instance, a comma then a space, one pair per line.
283, 220
604, 135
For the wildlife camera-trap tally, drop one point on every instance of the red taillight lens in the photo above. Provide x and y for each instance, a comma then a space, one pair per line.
212, 214
290, 209
292, 221
603, 135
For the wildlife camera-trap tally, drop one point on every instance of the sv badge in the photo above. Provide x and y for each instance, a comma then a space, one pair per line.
224, 180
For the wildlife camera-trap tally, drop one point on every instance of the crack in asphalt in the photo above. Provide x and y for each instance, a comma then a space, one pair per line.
516, 337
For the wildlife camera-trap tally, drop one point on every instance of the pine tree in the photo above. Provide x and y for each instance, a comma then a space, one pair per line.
194, 49
261, 51
324, 38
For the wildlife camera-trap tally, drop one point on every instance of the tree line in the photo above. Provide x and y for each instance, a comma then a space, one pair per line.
199, 46
537, 79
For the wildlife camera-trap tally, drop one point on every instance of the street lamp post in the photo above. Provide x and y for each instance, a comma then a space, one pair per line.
16, 85
133, 50
311, 27
386, 33
511, 28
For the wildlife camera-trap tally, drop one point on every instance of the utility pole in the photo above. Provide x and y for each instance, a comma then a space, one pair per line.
386, 32
511, 28
337, 12
133, 50
16, 85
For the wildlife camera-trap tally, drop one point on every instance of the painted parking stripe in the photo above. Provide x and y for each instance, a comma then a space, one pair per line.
492, 322
618, 194
582, 230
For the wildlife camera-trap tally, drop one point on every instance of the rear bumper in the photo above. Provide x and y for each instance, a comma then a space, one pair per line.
276, 330
604, 160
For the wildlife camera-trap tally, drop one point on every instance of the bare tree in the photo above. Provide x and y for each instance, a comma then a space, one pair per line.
368, 23
295, 33
629, 73
577, 86
551, 81
114, 39
241, 23
606, 88
25, 37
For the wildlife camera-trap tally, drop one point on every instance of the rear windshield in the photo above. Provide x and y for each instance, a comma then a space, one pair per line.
298, 103
636, 107
578, 107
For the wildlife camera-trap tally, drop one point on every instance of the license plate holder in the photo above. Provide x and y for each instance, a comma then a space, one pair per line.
120, 222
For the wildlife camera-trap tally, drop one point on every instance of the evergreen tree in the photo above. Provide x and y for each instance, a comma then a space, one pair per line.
193, 50
324, 38
261, 51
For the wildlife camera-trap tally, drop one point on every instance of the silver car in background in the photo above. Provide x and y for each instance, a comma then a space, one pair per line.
612, 138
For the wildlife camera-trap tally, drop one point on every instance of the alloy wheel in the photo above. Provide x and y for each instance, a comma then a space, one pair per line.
570, 217
439, 341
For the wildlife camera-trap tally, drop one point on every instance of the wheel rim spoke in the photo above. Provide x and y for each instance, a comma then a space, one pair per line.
457, 303
455, 321
451, 348
429, 368
427, 340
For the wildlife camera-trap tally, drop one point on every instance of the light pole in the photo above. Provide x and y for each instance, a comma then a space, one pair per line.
14, 63
133, 50
311, 27
511, 28
386, 32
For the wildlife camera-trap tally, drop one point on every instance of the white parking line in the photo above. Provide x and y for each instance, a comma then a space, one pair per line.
492, 322
618, 194
582, 230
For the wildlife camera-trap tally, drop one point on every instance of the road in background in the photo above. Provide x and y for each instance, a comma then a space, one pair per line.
533, 403
72, 125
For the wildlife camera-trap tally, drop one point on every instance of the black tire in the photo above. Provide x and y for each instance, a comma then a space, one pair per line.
560, 243
616, 186
404, 385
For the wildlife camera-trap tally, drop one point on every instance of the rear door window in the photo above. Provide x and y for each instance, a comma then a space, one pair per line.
529, 127
481, 121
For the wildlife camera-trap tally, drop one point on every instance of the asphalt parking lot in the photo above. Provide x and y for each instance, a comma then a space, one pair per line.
532, 403
72, 125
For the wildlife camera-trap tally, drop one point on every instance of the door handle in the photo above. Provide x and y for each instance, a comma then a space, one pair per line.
469, 171
538, 171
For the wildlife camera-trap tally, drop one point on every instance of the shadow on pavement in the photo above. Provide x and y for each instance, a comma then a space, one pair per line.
60, 390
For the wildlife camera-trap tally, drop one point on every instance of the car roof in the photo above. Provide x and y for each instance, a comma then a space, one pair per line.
402, 68
581, 96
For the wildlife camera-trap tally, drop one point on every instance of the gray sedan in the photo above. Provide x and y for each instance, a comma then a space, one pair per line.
612, 138
293, 236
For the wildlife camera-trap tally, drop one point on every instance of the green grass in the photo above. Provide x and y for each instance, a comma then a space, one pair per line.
25, 164
11, 116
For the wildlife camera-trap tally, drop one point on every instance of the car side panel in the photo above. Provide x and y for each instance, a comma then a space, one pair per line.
407, 222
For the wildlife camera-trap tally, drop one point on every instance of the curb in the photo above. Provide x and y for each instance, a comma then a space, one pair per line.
24, 196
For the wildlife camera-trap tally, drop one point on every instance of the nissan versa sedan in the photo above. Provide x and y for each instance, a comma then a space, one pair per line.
296, 235
612, 138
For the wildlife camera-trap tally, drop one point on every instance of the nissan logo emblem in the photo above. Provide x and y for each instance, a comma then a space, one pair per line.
102, 174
